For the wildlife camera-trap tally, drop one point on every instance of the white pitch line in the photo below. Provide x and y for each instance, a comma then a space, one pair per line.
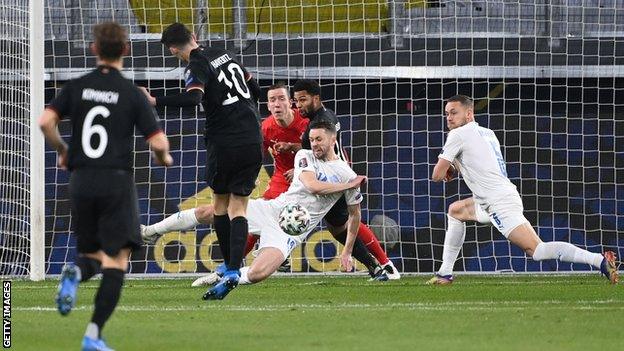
443, 306
134, 284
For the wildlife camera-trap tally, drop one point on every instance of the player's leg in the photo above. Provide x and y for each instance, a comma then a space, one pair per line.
183, 220
240, 168
87, 264
508, 218
217, 274
458, 213
274, 246
239, 229
268, 261
107, 296
250, 244
222, 224
372, 244
256, 216
336, 220
360, 252
118, 234
525, 237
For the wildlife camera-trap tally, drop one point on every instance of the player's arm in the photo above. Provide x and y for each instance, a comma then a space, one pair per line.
48, 123
443, 170
159, 144
189, 98
196, 79
317, 187
254, 87
147, 122
353, 225
284, 146
440, 170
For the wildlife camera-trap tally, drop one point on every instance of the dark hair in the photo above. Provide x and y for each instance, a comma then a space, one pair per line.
463, 99
279, 86
324, 124
311, 86
176, 34
110, 39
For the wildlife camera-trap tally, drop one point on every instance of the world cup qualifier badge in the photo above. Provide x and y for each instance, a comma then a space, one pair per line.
303, 163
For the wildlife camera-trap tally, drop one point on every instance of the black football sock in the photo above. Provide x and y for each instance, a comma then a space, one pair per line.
360, 252
238, 239
107, 296
222, 227
88, 267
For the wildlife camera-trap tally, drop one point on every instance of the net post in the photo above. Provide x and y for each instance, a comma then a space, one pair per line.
240, 23
396, 25
37, 164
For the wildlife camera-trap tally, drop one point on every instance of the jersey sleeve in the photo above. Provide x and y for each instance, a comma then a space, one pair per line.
303, 162
353, 196
146, 117
195, 77
452, 146
61, 104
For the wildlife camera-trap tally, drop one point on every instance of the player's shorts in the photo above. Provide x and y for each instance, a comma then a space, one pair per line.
105, 211
233, 170
275, 189
338, 215
482, 216
262, 219
505, 214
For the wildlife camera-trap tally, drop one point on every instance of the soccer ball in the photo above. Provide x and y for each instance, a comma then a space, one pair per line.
294, 219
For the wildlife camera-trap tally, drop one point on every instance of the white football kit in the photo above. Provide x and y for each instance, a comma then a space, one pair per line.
476, 151
263, 215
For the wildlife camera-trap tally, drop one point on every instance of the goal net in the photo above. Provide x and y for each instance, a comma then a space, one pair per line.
546, 76
21, 146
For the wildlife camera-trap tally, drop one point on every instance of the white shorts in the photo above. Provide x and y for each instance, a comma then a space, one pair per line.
262, 219
505, 214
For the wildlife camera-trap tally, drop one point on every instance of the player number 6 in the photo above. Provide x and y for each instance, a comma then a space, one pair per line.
88, 129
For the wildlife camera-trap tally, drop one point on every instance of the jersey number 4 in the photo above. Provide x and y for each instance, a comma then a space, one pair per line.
88, 129
237, 76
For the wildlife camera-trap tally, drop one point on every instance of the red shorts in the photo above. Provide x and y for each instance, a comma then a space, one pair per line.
274, 190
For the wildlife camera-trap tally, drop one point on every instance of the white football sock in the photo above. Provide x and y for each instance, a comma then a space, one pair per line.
566, 252
453, 241
182, 220
92, 331
243, 280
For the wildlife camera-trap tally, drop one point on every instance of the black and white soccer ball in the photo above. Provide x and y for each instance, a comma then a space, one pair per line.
294, 219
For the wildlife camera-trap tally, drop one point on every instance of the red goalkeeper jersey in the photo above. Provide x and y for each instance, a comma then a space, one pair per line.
273, 133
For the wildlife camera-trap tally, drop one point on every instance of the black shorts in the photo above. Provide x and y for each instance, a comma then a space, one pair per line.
233, 170
338, 215
105, 210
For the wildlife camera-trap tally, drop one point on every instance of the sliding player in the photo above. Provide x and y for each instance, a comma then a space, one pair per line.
315, 195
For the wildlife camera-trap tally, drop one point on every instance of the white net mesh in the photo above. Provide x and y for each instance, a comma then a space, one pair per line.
547, 77
14, 139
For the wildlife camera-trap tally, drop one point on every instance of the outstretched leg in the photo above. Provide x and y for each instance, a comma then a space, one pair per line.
459, 212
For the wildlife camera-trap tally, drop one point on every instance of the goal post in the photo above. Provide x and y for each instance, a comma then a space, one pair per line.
37, 161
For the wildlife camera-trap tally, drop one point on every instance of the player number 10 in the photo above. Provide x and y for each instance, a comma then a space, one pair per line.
242, 89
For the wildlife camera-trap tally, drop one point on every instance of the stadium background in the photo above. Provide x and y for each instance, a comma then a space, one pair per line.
560, 123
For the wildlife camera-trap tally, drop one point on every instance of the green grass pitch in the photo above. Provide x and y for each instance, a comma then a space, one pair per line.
497, 312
